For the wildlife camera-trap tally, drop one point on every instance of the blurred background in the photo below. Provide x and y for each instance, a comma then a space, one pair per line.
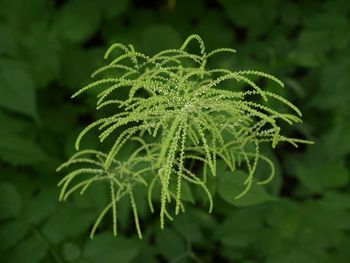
48, 49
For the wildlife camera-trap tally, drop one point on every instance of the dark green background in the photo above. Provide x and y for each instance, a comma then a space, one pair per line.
48, 50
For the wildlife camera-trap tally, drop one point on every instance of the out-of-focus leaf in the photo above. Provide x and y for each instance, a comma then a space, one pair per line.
22, 13
240, 228
310, 49
105, 248
189, 227
112, 8
11, 233
332, 23
290, 13
290, 254
215, 31
249, 14
231, 184
169, 244
337, 141
301, 231
77, 65
10, 125
68, 222
40, 51
42, 205
78, 20
318, 173
17, 88
8, 44
10, 201
334, 89
18, 150
31, 250
71, 252
158, 37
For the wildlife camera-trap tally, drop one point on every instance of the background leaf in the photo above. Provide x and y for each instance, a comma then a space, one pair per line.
106, 248
230, 185
17, 89
10, 201
17, 150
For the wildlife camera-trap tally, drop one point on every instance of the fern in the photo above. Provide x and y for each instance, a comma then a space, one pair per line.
179, 110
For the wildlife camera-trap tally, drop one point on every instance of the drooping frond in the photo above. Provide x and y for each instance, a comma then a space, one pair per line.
178, 110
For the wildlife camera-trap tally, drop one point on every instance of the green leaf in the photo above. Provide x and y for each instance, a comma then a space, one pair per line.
113, 8
10, 201
249, 13
8, 45
11, 233
334, 75
71, 251
319, 174
241, 227
19, 151
78, 20
159, 37
105, 248
10, 125
68, 221
169, 244
337, 141
78, 64
187, 225
29, 250
17, 89
311, 49
40, 50
231, 184
41, 205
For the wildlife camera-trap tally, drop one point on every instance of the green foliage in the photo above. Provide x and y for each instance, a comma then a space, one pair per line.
49, 48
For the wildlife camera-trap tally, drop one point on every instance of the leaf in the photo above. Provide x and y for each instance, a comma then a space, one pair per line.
78, 65
248, 14
19, 151
11, 233
333, 24
337, 141
158, 37
241, 227
8, 45
67, 222
290, 254
105, 248
187, 225
41, 205
10, 201
230, 185
299, 231
169, 244
40, 50
311, 48
334, 75
112, 8
78, 20
31, 249
17, 89
71, 252
10, 125
319, 174
214, 30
